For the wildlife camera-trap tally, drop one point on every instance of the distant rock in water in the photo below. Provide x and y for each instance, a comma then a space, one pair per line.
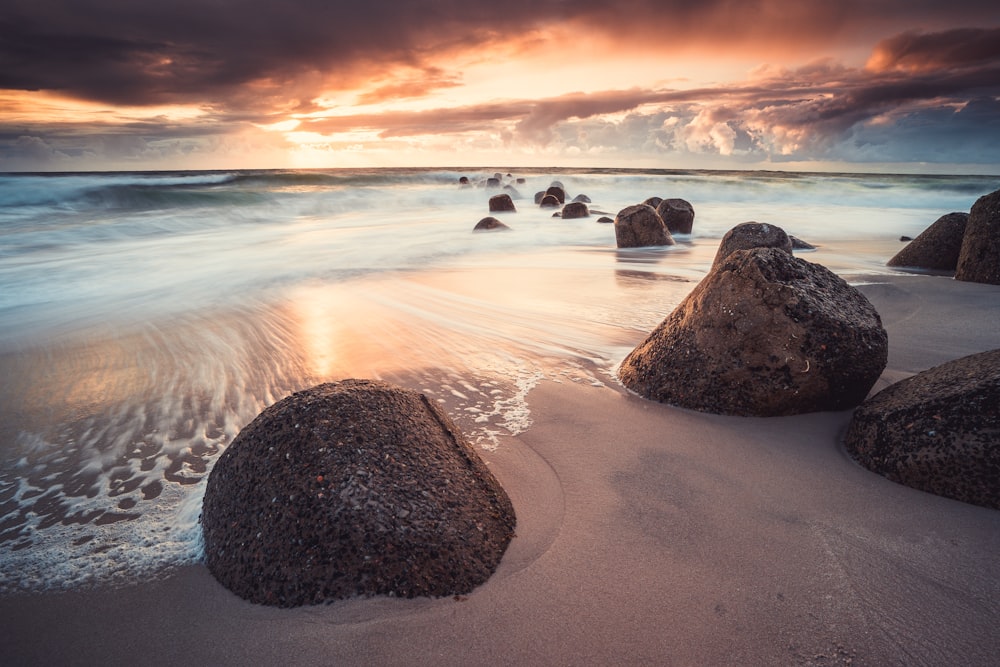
799, 244
677, 215
493, 182
605, 219
352, 488
464, 180
575, 210
557, 192
501, 202
582, 198
937, 247
489, 224
639, 226
748, 235
763, 334
905, 238
979, 258
938, 431
550, 201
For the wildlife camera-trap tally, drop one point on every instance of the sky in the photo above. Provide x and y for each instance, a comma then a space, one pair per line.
858, 85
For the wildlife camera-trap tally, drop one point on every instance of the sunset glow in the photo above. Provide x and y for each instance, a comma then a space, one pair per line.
765, 84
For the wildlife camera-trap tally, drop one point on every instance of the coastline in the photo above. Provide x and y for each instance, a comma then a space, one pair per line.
646, 534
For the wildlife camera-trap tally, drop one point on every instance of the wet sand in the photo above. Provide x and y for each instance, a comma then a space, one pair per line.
646, 534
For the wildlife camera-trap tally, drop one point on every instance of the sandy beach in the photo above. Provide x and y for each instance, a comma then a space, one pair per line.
646, 534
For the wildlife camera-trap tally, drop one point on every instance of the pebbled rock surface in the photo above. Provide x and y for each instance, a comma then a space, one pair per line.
352, 488
763, 334
937, 431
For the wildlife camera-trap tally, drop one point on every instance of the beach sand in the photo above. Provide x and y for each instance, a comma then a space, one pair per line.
646, 534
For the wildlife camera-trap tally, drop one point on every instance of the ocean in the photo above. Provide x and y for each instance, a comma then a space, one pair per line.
146, 317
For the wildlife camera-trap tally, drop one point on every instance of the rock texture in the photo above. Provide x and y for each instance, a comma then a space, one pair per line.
979, 259
352, 488
640, 225
489, 224
501, 202
938, 431
677, 215
752, 235
763, 334
575, 210
937, 247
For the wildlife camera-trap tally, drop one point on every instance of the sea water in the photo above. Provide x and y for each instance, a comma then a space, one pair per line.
146, 317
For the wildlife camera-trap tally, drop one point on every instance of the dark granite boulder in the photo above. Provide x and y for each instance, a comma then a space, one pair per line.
575, 210
489, 224
653, 201
677, 215
558, 192
501, 202
979, 259
550, 201
748, 235
763, 334
352, 488
938, 431
582, 198
936, 247
638, 226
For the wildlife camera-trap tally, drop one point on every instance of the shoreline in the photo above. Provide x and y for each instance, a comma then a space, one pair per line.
646, 534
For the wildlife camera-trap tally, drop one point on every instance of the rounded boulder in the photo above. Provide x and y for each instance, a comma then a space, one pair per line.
937, 247
501, 202
352, 488
639, 226
489, 224
677, 215
748, 235
979, 258
763, 334
937, 431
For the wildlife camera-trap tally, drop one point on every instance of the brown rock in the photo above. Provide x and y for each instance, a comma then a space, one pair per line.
638, 226
677, 215
938, 431
937, 247
501, 202
352, 488
550, 201
748, 235
489, 224
763, 334
653, 201
558, 192
979, 259
575, 210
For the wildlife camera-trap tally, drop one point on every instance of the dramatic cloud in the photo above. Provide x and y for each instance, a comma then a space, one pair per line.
136, 82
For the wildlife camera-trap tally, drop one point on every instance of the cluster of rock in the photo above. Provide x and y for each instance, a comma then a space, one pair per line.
352, 488
966, 243
554, 197
653, 222
938, 431
763, 334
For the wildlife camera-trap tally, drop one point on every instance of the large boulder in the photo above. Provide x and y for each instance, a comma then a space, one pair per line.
640, 225
352, 488
937, 247
677, 215
557, 191
763, 334
979, 259
938, 431
748, 235
501, 202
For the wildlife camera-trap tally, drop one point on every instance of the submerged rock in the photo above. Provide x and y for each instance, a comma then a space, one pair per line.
979, 258
556, 190
937, 247
640, 225
550, 201
489, 224
677, 215
352, 488
763, 334
748, 235
575, 210
938, 431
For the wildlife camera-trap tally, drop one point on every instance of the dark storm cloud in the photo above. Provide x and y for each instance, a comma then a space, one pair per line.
143, 52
